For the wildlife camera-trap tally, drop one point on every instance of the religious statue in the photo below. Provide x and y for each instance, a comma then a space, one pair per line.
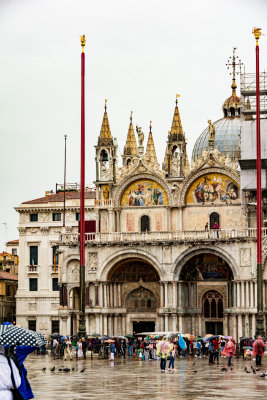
175, 195
176, 164
105, 192
140, 135
211, 130
104, 172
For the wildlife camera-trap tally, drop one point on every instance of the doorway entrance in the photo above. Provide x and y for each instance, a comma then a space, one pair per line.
143, 326
215, 328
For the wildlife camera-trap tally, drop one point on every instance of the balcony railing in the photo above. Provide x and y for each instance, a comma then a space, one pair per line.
32, 269
160, 236
103, 203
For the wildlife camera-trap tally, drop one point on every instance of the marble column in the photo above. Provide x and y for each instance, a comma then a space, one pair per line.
253, 325
123, 324
234, 294
234, 332
115, 324
242, 295
180, 328
166, 322
110, 325
193, 329
111, 220
238, 294
97, 323
111, 304
115, 295
264, 294
119, 294
174, 322
161, 323
180, 216
225, 325
256, 295
199, 325
180, 295
105, 294
101, 324
118, 225
174, 295
246, 333
240, 327
105, 324
166, 294
161, 295
247, 294
100, 294
251, 304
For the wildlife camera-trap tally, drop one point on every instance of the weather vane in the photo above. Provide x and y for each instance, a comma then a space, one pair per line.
106, 104
131, 116
234, 62
177, 95
83, 41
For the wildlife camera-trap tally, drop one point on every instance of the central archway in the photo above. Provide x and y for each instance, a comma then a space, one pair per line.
133, 270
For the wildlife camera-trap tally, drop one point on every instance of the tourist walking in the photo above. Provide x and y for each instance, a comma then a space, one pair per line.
112, 351
163, 348
172, 355
80, 349
68, 347
229, 351
258, 350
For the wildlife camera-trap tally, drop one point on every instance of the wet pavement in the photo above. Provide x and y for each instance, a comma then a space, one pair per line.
125, 379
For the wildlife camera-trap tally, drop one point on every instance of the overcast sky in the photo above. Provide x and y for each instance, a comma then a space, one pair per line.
139, 54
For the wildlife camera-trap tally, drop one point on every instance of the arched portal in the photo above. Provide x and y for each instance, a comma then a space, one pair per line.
134, 284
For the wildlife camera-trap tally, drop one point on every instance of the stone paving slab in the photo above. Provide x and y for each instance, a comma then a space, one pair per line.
125, 379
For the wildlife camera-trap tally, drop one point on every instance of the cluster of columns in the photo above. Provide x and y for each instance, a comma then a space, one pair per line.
106, 324
103, 294
243, 294
178, 294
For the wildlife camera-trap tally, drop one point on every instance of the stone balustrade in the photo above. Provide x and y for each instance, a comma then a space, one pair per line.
162, 236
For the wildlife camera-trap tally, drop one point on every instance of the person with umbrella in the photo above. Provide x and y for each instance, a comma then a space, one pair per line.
6, 384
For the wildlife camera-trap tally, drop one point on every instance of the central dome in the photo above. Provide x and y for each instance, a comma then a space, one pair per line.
227, 139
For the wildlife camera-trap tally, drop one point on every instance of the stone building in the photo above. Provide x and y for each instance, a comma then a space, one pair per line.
166, 249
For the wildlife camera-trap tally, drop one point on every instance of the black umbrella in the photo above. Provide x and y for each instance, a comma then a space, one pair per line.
11, 335
213, 337
56, 335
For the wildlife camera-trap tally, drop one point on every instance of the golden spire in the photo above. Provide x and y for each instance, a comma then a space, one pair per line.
176, 122
130, 148
233, 62
83, 41
105, 128
150, 148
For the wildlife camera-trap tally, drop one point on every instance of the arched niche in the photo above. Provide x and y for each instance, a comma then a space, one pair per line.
144, 192
141, 300
133, 270
206, 267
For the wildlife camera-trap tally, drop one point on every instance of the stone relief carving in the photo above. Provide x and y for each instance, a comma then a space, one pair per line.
23, 218
44, 229
245, 257
22, 231
92, 261
45, 217
32, 306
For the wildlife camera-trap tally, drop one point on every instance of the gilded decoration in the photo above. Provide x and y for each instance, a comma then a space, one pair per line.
213, 189
204, 267
144, 193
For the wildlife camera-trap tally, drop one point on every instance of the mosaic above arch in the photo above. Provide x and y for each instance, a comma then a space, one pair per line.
145, 192
213, 188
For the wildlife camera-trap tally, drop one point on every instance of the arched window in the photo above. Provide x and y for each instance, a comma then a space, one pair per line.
104, 155
145, 223
232, 111
214, 219
213, 305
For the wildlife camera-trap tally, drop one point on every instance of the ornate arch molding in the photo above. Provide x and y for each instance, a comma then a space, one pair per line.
121, 255
195, 175
191, 252
123, 186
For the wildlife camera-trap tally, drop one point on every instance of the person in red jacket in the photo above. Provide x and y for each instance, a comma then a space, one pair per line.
258, 350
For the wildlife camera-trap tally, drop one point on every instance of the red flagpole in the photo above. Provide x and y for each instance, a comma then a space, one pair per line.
259, 316
82, 188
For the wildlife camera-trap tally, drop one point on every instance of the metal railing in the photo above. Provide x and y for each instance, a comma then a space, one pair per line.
161, 236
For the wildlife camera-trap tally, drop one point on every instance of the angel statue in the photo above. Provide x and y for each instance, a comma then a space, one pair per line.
140, 135
211, 130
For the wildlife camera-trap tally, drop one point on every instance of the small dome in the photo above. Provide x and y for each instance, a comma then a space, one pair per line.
227, 138
231, 106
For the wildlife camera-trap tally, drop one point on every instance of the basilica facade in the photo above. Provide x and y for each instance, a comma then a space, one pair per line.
168, 248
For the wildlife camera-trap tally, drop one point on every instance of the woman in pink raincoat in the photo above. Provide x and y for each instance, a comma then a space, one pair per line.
229, 351
258, 350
